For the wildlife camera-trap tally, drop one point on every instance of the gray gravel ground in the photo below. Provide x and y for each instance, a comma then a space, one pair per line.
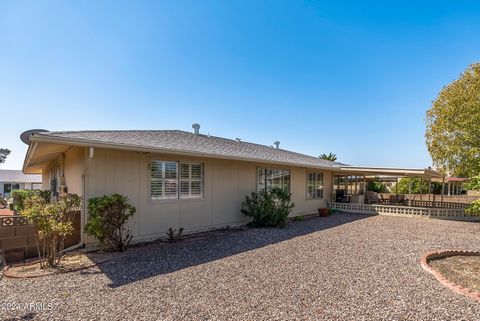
344, 267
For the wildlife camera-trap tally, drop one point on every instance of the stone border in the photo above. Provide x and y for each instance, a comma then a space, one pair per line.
472, 294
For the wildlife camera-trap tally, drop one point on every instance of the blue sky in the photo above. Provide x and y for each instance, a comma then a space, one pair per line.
349, 77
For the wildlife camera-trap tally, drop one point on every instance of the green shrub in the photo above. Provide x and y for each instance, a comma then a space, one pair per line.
417, 186
473, 208
268, 208
20, 195
377, 187
52, 223
473, 183
108, 217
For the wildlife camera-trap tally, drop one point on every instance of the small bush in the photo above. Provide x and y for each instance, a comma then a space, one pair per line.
52, 223
268, 208
108, 219
20, 195
173, 235
473, 208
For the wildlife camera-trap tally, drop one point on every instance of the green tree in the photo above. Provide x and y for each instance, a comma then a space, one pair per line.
3, 154
377, 187
419, 186
453, 131
473, 183
331, 157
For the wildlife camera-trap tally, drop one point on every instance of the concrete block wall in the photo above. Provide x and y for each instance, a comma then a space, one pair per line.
19, 243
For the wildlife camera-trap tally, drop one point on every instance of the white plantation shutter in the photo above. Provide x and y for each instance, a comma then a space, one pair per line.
156, 180
163, 179
170, 180
191, 180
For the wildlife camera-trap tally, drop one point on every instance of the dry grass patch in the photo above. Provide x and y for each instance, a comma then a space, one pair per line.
460, 269
69, 263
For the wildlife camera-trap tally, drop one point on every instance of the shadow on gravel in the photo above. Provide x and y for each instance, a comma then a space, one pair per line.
140, 263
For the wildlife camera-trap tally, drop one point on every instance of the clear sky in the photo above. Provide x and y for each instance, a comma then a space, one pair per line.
349, 77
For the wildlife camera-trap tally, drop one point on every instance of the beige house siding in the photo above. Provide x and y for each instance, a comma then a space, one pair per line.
69, 165
74, 163
46, 176
226, 183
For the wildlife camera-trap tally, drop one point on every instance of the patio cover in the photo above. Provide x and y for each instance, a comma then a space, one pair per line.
390, 171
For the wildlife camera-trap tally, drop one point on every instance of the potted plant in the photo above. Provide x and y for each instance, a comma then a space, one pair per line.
323, 211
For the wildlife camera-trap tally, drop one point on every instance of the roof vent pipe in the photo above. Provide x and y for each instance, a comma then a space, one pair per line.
277, 144
196, 128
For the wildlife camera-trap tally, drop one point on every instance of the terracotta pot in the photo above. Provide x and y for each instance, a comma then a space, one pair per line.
323, 212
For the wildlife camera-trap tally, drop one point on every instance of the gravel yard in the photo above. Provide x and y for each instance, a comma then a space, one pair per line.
343, 267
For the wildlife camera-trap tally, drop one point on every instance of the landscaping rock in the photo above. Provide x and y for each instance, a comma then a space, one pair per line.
343, 267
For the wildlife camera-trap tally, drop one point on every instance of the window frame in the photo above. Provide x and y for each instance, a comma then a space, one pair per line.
178, 181
315, 185
266, 178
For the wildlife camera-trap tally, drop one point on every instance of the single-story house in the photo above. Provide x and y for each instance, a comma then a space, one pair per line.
16, 179
181, 179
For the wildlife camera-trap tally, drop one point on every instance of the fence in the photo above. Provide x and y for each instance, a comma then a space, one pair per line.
405, 211
464, 198
12, 220
17, 238
418, 203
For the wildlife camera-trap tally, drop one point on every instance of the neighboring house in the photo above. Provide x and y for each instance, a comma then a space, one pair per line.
15, 179
454, 185
180, 179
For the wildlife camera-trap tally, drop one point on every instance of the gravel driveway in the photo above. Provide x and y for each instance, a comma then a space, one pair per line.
344, 267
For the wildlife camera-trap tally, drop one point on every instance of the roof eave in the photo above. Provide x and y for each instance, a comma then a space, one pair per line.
42, 138
31, 149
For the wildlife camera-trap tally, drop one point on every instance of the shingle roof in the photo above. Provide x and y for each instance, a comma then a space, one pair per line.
185, 142
16, 176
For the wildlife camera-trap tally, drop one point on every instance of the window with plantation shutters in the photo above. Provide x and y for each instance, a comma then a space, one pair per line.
191, 180
314, 185
173, 180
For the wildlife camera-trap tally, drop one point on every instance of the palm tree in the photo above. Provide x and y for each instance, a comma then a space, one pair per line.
331, 157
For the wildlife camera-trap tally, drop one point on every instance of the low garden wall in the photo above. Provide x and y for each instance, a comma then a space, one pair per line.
404, 211
464, 198
17, 238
